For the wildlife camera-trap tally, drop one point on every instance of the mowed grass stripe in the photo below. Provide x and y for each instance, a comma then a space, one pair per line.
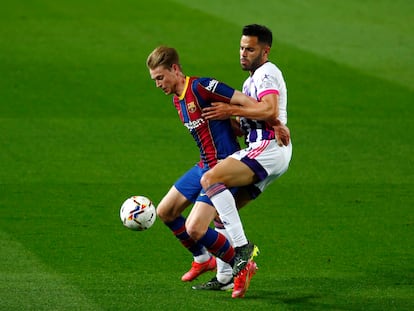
375, 38
84, 127
28, 284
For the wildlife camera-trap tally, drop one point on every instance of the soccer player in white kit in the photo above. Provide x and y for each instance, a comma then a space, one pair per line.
266, 157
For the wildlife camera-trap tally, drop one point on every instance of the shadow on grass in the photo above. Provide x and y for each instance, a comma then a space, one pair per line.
337, 294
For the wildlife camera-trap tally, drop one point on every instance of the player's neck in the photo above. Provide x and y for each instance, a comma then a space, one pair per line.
181, 85
252, 71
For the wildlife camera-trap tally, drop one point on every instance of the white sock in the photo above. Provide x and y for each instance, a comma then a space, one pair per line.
224, 270
203, 257
226, 207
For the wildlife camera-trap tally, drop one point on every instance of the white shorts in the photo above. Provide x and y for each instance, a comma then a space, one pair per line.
266, 159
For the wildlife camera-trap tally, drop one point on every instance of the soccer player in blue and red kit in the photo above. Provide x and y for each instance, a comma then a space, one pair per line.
216, 140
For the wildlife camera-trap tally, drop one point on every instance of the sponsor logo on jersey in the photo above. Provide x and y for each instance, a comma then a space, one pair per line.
191, 107
268, 82
212, 85
194, 124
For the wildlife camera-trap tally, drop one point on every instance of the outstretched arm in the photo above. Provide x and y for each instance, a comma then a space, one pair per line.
245, 106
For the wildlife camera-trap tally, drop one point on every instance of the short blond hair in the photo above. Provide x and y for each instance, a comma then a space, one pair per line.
163, 56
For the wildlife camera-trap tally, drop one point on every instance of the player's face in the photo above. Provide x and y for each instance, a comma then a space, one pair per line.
165, 79
252, 54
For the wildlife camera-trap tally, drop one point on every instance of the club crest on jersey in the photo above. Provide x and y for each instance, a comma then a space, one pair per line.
191, 107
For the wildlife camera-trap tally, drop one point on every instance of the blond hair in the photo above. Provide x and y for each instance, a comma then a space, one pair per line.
163, 56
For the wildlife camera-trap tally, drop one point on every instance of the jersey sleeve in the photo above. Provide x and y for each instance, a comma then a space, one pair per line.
213, 90
266, 82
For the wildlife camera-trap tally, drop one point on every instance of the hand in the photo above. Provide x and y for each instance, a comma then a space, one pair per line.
282, 134
217, 111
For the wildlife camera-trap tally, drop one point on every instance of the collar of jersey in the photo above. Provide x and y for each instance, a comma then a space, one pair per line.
187, 79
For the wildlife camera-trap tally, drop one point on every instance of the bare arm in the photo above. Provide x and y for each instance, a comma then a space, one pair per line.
244, 106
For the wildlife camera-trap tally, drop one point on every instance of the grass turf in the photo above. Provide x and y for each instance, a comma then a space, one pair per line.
82, 127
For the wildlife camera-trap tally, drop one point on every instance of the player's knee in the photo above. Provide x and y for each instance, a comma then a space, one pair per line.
194, 231
207, 180
165, 213
161, 214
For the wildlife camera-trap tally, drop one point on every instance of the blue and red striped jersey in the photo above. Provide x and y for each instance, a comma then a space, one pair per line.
215, 139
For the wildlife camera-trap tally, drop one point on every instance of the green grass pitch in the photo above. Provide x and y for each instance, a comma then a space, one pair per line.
82, 127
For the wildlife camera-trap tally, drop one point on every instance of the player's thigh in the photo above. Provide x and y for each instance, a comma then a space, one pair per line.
231, 172
199, 219
172, 205
242, 197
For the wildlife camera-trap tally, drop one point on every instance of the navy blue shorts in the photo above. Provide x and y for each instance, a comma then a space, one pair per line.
189, 185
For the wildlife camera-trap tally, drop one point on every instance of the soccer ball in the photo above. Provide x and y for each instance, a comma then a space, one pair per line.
138, 213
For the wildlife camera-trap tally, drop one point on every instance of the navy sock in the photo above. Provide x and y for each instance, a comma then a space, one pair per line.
218, 245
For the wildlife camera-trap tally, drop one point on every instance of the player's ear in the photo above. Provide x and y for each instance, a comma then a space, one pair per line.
266, 50
175, 67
